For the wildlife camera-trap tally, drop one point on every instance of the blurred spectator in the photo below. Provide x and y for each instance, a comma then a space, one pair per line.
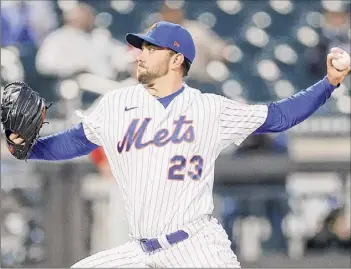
334, 230
11, 66
209, 46
264, 200
336, 28
22, 22
71, 49
275, 206
99, 158
23, 28
335, 32
94, 87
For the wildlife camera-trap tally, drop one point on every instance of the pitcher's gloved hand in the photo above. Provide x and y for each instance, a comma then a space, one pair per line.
23, 112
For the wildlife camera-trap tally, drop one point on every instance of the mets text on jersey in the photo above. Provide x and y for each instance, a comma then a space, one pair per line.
134, 135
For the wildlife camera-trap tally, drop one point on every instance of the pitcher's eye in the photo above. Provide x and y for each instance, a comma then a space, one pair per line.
148, 48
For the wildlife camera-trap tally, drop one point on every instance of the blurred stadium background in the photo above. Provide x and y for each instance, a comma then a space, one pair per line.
283, 199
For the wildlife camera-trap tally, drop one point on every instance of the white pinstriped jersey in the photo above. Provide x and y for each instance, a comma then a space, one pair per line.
163, 158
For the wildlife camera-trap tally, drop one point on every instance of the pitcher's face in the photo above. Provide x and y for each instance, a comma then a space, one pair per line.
153, 63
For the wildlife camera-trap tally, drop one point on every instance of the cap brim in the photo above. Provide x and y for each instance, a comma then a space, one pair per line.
136, 40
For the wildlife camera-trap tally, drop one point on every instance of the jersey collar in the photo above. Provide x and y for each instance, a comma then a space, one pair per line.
165, 101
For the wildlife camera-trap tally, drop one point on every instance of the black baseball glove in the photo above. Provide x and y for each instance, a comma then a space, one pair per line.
22, 112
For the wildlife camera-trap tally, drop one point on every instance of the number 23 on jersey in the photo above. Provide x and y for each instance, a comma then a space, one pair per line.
177, 169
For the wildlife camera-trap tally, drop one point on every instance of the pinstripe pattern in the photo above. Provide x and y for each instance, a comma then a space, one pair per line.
127, 255
156, 204
208, 248
238, 121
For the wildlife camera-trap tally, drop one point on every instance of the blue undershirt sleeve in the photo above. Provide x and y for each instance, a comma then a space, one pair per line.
65, 145
290, 111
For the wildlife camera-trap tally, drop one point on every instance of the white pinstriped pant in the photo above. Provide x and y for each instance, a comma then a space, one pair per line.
207, 246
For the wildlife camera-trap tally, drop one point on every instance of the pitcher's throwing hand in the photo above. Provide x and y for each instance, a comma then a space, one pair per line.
335, 76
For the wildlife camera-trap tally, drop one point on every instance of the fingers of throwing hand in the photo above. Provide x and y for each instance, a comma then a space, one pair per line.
330, 57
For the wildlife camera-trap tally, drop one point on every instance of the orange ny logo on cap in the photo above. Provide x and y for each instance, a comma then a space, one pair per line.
176, 44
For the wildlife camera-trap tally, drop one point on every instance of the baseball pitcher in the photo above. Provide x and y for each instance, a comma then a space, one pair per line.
161, 138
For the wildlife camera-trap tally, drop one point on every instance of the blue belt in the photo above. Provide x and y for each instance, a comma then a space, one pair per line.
149, 245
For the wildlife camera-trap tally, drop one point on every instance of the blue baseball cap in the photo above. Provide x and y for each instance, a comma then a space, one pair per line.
166, 35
